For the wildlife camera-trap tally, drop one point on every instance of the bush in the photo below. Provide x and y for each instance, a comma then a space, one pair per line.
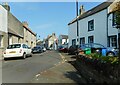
106, 59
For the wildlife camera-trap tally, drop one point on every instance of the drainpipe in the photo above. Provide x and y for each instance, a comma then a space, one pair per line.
107, 30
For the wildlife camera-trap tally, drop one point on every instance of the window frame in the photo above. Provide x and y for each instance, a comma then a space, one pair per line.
89, 25
73, 42
110, 41
113, 19
92, 39
81, 40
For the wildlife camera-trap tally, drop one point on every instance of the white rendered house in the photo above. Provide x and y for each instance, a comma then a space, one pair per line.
95, 26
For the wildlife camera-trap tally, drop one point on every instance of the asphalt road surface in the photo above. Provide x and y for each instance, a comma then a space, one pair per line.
23, 70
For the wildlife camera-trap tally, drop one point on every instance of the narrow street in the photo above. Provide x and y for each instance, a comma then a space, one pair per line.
22, 71
48, 67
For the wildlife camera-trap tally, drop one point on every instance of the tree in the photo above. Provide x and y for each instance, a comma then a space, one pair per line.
116, 10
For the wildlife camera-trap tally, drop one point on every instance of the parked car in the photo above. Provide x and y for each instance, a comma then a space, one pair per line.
44, 49
17, 50
96, 47
73, 49
37, 49
63, 48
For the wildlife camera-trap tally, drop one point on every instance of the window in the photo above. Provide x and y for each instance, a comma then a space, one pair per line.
90, 39
91, 25
114, 19
113, 41
74, 42
14, 46
1, 40
82, 40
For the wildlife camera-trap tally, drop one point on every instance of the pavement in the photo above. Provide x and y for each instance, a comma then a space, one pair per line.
63, 72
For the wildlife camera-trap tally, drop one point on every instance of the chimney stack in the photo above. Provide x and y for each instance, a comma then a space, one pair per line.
25, 23
81, 10
6, 6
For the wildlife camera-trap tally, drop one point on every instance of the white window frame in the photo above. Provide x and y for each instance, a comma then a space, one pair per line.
113, 43
91, 25
90, 39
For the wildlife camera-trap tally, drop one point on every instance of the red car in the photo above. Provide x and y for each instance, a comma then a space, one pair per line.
63, 49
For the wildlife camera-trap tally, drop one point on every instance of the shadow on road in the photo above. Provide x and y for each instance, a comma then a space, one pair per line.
74, 76
15, 58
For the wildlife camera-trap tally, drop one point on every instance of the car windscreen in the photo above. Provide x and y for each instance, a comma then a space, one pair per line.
14, 46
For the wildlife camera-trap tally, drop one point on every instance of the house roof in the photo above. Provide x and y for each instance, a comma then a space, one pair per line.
48, 37
92, 11
29, 30
64, 36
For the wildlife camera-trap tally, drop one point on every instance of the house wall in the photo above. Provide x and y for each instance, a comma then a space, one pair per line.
100, 25
62, 40
3, 19
111, 29
29, 38
3, 29
72, 33
15, 39
15, 28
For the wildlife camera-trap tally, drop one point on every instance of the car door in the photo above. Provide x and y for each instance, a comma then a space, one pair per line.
25, 49
28, 49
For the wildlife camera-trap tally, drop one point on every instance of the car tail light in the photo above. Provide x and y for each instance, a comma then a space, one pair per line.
20, 51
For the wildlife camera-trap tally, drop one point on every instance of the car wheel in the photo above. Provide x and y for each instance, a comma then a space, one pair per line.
24, 56
31, 55
110, 54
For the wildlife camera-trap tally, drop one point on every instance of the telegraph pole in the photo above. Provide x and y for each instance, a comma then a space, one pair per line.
77, 22
77, 25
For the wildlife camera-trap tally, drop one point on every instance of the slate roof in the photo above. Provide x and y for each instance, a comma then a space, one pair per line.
92, 11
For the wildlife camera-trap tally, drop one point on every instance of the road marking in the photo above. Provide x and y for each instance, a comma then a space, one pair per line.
63, 57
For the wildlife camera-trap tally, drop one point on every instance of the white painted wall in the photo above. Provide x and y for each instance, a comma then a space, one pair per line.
72, 33
99, 33
62, 40
100, 25
111, 30
3, 19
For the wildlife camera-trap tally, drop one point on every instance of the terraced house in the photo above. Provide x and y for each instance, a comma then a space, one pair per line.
96, 25
29, 36
12, 30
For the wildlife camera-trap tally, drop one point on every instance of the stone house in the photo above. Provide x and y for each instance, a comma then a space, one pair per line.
50, 41
29, 36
